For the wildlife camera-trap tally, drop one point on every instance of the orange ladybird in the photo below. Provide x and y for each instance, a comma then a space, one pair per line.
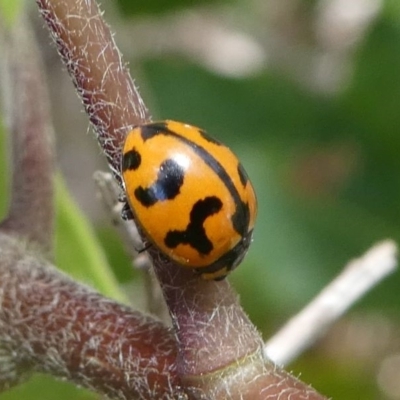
190, 195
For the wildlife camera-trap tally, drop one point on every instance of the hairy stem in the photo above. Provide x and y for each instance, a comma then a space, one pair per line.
102, 80
220, 351
51, 324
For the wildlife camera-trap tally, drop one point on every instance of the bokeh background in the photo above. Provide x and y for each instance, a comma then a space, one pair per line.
307, 94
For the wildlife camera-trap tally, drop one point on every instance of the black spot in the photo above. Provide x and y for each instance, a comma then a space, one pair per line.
146, 196
150, 130
242, 174
195, 234
166, 187
131, 160
241, 218
231, 259
208, 138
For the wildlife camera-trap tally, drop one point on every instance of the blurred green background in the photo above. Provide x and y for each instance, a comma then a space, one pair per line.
307, 94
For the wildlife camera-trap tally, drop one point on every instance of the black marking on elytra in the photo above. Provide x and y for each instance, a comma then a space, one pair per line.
208, 138
150, 130
231, 259
161, 128
195, 234
242, 174
131, 160
166, 187
241, 218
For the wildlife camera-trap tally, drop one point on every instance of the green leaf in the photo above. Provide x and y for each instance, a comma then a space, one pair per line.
9, 9
41, 387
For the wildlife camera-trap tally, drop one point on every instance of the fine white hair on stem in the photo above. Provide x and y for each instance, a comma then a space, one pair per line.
359, 276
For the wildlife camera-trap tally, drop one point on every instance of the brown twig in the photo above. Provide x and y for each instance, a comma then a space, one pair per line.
220, 351
51, 324
100, 76
48, 322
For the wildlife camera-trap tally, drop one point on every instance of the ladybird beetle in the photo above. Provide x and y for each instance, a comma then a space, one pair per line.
190, 195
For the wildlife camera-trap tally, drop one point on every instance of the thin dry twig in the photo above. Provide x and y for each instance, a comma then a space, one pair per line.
357, 278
